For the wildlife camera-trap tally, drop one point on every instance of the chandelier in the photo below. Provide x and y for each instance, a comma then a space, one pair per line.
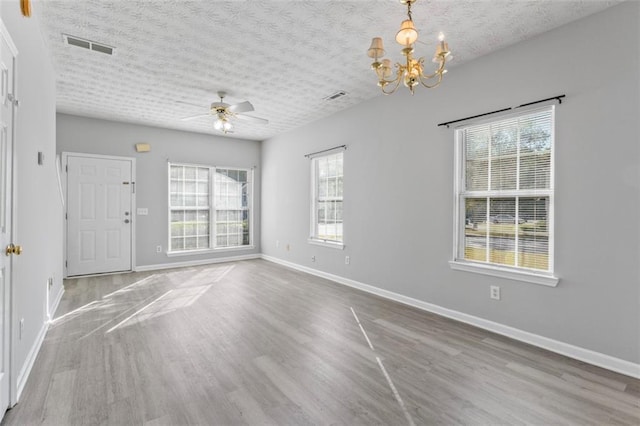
412, 72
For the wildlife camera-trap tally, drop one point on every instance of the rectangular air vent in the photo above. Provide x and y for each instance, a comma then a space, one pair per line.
335, 96
87, 44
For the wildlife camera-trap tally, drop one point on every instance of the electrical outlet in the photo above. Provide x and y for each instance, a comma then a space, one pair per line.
277, 243
21, 327
313, 258
347, 260
158, 249
494, 292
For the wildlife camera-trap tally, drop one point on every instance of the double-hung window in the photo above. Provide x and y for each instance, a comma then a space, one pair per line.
209, 208
327, 195
504, 197
231, 202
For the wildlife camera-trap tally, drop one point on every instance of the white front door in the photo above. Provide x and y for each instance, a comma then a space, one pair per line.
7, 108
99, 202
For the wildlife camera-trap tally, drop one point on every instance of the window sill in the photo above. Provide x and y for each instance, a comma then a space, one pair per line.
530, 277
324, 243
207, 251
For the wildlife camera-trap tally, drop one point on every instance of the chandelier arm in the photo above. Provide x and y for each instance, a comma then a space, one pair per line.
431, 86
430, 76
383, 82
397, 81
439, 71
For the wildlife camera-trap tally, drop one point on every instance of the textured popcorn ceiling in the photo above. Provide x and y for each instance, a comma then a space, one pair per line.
282, 56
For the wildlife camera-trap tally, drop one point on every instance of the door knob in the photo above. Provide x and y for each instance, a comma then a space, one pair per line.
126, 221
13, 249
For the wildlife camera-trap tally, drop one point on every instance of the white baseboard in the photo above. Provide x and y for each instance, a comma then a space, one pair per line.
53, 308
197, 262
31, 358
596, 358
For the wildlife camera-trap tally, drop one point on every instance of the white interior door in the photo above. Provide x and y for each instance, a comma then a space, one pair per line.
7, 249
99, 203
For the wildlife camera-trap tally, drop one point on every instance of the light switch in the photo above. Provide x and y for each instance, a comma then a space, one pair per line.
143, 211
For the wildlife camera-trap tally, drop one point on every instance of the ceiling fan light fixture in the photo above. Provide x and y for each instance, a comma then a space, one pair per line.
222, 125
224, 114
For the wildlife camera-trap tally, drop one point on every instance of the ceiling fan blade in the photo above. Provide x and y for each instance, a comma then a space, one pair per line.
193, 117
251, 119
241, 107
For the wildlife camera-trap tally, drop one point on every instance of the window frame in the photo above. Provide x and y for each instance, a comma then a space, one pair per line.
212, 211
460, 194
313, 237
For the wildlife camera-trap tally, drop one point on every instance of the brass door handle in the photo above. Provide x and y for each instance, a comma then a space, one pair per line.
13, 249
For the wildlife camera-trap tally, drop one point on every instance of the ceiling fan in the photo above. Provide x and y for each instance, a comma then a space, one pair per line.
225, 114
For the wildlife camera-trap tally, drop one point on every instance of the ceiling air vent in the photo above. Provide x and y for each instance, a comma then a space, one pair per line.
87, 44
335, 96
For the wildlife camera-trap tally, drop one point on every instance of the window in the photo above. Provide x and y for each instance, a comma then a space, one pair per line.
195, 222
231, 195
505, 195
327, 195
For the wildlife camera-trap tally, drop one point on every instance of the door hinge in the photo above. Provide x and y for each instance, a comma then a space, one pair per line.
66, 264
66, 216
66, 168
13, 99
133, 187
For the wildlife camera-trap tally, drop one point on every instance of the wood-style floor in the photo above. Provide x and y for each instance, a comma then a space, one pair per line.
255, 343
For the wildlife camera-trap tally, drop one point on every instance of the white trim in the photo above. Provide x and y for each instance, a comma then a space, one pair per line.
207, 251
315, 172
512, 274
142, 268
326, 243
134, 194
596, 358
56, 302
7, 38
460, 193
23, 375
211, 208
12, 301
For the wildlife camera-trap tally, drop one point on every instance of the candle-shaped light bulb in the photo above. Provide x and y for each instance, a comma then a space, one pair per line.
443, 47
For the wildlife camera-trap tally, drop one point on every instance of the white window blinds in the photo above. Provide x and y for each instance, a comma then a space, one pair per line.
327, 198
209, 208
506, 193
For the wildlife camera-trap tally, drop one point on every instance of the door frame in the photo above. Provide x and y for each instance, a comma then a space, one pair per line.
11, 304
134, 220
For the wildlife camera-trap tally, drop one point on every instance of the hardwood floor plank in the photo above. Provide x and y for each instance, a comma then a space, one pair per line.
255, 343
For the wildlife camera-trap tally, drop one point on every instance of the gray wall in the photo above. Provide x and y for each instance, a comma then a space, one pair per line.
39, 209
93, 136
398, 207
